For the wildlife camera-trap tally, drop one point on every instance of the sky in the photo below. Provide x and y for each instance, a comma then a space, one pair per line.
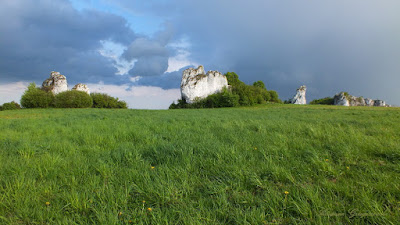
136, 50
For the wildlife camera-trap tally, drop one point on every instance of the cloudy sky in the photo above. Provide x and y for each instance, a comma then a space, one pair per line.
136, 50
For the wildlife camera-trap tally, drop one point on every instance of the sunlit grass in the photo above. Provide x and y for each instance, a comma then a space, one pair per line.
274, 164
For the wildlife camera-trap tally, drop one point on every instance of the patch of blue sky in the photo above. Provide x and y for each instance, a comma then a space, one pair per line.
140, 23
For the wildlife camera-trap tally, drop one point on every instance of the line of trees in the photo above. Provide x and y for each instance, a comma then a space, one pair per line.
35, 97
238, 94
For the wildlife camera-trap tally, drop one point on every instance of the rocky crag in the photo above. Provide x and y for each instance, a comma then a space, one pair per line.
196, 84
300, 97
82, 87
57, 83
344, 99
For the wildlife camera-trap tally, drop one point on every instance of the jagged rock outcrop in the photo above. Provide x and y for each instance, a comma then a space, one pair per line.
56, 83
380, 103
369, 102
343, 98
82, 87
300, 97
196, 84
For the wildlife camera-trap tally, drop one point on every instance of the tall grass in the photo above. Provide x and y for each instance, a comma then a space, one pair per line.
275, 164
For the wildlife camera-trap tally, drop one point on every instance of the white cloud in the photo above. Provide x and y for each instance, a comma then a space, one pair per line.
114, 51
139, 97
182, 57
12, 91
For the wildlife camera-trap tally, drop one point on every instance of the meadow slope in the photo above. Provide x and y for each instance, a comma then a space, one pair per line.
273, 164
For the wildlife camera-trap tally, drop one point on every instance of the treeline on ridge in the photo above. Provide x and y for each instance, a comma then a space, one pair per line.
35, 97
238, 94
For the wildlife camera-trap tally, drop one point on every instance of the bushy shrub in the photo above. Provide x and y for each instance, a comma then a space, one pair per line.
73, 99
35, 97
10, 106
274, 97
322, 101
101, 100
223, 99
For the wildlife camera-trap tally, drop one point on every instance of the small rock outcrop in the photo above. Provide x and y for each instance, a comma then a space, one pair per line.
369, 102
380, 103
343, 98
196, 84
300, 97
82, 87
56, 83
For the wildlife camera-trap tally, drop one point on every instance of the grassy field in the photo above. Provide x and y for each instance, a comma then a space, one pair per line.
273, 164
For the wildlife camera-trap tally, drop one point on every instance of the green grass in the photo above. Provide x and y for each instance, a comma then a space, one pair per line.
340, 165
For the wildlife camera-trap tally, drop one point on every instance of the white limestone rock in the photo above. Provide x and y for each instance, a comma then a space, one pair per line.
196, 84
82, 87
300, 97
56, 83
341, 99
356, 101
369, 102
379, 103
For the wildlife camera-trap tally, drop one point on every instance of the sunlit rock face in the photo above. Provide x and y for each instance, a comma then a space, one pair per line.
345, 99
81, 87
196, 84
56, 83
300, 97
341, 99
369, 102
380, 103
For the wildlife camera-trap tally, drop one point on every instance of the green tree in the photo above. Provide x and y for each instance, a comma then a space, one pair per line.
322, 101
259, 84
10, 106
35, 97
101, 100
73, 99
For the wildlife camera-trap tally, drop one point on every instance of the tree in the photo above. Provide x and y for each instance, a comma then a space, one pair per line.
73, 99
35, 97
10, 106
101, 100
259, 84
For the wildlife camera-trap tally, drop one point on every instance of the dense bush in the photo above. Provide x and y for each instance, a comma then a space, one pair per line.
101, 100
10, 106
73, 99
35, 97
322, 101
223, 99
239, 94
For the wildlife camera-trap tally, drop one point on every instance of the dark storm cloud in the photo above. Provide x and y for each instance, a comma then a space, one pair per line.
170, 80
151, 54
330, 45
40, 36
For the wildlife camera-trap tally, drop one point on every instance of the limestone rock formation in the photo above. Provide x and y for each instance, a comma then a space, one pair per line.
56, 83
300, 97
82, 87
196, 84
379, 103
343, 98
369, 102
